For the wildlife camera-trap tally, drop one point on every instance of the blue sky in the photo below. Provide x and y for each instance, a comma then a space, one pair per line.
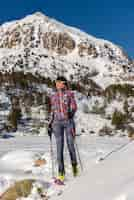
112, 20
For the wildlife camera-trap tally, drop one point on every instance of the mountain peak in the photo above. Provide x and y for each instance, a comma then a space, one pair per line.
37, 15
39, 43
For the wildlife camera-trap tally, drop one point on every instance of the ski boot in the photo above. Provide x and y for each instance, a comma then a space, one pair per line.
75, 170
59, 180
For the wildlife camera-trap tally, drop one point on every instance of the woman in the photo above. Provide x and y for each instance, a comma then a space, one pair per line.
63, 108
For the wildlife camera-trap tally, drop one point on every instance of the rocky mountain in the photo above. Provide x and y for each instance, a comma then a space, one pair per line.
34, 50
42, 46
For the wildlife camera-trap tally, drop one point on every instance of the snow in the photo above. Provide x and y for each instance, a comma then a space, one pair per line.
20, 159
109, 179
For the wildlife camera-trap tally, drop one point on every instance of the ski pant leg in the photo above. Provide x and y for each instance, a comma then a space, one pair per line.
58, 131
70, 141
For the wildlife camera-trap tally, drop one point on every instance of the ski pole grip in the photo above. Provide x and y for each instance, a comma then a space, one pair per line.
50, 131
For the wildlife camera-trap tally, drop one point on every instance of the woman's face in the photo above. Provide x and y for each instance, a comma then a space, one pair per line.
60, 85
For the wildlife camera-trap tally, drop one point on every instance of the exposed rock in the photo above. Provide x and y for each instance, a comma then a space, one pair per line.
105, 130
39, 162
87, 49
61, 43
14, 39
69, 43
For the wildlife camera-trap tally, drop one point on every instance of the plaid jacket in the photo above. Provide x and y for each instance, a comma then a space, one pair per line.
63, 105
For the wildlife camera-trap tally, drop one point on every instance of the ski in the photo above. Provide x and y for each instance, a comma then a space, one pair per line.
57, 181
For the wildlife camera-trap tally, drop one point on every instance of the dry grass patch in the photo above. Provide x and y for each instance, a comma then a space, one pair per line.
19, 189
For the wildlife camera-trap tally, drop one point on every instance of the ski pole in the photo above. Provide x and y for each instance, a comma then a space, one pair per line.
78, 153
50, 130
52, 156
114, 151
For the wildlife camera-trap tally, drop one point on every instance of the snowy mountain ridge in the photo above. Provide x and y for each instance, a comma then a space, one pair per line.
39, 44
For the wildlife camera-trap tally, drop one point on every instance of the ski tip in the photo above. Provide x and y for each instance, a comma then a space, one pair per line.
99, 160
58, 181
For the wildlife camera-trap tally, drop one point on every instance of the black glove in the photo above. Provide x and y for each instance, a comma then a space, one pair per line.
50, 130
70, 115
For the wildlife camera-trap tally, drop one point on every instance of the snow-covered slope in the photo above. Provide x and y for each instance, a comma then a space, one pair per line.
111, 179
39, 44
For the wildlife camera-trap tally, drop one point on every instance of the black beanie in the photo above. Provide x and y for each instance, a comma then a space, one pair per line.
62, 78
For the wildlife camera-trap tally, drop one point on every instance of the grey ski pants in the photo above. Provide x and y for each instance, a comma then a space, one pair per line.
59, 128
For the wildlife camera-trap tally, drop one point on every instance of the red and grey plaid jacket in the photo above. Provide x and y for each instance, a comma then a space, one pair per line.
63, 105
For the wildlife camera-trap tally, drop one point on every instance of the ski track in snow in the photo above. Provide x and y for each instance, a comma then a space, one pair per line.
36, 144
87, 145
